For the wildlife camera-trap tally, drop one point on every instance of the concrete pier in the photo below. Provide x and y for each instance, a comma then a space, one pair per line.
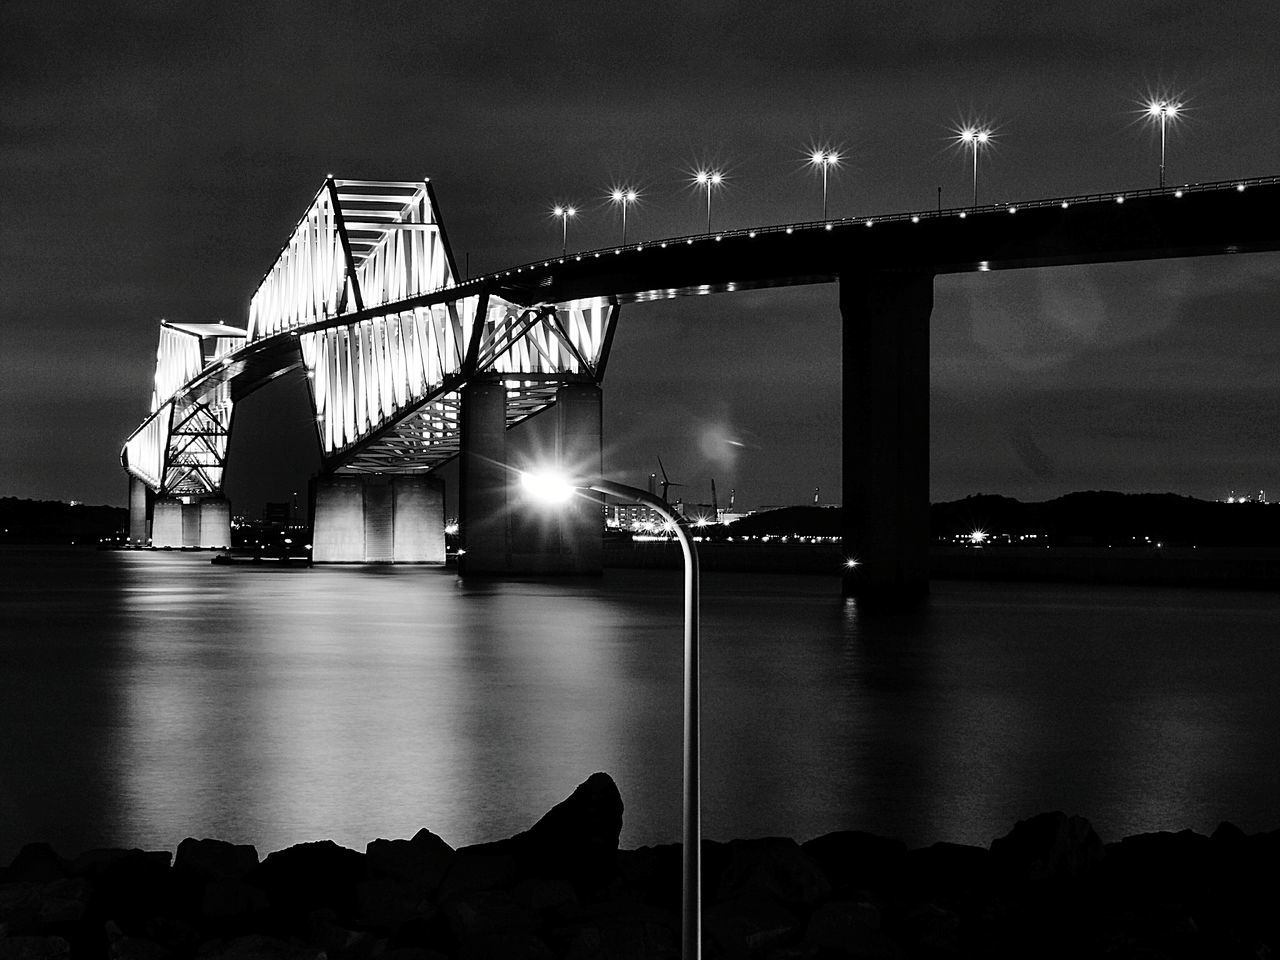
886, 434
377, 518
200, 524
483, 480
139, 512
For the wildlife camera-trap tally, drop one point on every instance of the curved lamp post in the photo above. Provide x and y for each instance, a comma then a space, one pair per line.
556, 489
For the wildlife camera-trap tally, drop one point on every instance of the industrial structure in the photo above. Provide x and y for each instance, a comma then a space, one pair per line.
410, 366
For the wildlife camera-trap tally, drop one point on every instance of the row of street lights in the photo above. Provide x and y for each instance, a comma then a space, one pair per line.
971, 137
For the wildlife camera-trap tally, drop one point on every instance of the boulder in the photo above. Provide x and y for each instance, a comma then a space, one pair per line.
949, 871
420, 862
856, 860
34, 948
308, 876
772, 866
36, 863
207, 860
1047, 847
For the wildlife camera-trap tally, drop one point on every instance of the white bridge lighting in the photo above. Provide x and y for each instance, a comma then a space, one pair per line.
974, 138
564, 214
623, 197
824, 159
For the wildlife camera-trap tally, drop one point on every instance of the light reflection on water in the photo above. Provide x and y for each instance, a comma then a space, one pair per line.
149, 697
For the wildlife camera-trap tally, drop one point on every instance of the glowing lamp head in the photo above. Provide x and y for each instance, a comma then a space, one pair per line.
716, 177
702, 176
547, 486
571, 212
558, 211
984, 136
631, 196
968, 135
616, 196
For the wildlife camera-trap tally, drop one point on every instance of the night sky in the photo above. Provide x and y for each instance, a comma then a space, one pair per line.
156, 156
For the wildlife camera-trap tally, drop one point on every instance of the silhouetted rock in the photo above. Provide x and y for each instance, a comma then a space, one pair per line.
854, 859
310, 875
420, 862
949, 871
576, 840
775, 866
257, 947
1049, 846
214, 860
846, 928
34, 948
36, 863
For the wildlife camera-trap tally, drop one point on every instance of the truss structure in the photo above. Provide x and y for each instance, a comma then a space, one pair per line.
365, 293
181, 448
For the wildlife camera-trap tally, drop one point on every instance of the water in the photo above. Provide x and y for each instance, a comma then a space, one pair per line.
146, 697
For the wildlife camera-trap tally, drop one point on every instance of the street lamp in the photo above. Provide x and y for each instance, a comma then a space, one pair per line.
564, 213
624, 198
551, 488
709, 179
1165, 111
974, 138
824, 159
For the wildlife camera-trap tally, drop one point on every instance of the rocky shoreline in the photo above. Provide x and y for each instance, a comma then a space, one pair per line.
563, 889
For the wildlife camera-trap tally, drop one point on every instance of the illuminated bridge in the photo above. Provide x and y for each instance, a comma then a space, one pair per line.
410, 366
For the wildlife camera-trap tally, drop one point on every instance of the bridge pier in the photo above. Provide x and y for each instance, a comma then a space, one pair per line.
377, 518
198, 524
139, 512
886, 434
534, 539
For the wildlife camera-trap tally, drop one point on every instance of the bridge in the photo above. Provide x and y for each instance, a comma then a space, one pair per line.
410, 366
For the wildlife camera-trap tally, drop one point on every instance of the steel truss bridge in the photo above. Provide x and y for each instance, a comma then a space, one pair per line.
366, 298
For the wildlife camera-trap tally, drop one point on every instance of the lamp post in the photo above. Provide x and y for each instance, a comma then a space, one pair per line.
973, 138
624, 198
824, 159
709, 179
1165, 111
564, 213
553, 489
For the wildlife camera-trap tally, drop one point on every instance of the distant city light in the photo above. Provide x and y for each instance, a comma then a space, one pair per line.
978, 537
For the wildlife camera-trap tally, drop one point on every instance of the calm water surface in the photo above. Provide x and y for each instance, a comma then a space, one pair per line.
146, 697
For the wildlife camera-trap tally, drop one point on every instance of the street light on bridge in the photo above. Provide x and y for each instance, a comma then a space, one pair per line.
1164, 111
556, 489
624, 199
564, 213
974, 138
825, 159
708, 179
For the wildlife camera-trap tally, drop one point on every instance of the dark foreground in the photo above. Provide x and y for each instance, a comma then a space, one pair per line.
1050, 888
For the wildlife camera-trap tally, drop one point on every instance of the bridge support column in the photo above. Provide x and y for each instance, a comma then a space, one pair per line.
886, 434
139, 522
200, 524
377, 518
483, 480
565, 539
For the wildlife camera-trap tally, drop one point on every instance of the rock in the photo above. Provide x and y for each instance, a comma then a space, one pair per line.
578, 837
36, 863
576, 840
934, 928
856, 860
848, 929
34, 948
137, 948
131, 885
255, 946
745, 926
310, 875
1161, 866
951, 871
214, 860
1047, 847
420, 862
773, 866
656, 874
228, 899
507, 946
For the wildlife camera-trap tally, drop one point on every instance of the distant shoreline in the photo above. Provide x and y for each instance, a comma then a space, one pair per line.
1235, 567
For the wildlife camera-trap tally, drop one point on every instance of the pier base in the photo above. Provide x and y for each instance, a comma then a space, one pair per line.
377, 518
139, 511
200, 524
886, 435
